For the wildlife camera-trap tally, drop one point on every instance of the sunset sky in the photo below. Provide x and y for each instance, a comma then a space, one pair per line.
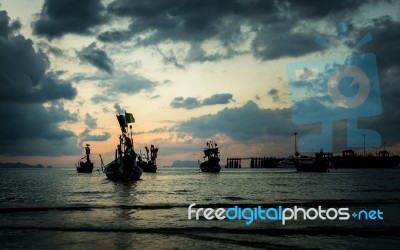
189, 71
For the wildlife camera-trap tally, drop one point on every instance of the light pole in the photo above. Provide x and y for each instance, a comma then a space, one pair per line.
364, 144
295, 145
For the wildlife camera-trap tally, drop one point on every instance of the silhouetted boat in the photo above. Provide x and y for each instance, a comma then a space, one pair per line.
319, 163
149, 164
87, 166
286, 163
123, 167
211, 154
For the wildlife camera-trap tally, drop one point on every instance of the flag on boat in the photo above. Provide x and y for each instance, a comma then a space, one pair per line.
122, 122
129, 117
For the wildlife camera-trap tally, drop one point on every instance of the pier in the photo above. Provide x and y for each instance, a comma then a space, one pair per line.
233, 163
255, 162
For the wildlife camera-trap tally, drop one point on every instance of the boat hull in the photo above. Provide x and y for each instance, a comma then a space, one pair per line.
85, 167
117, 172
286, 164
210, 167
148, 167
314, 166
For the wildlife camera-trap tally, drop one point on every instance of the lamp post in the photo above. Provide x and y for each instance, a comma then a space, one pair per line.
295, 145
364, 144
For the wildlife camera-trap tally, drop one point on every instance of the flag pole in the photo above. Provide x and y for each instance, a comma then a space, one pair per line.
130, 126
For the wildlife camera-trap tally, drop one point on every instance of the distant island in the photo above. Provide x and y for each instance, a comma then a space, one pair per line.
21, 165
185, 164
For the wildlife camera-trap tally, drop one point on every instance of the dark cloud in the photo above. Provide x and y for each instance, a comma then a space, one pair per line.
279, 40
154, 97
386, 46
130, 84
41, 147
122, 83
309, 9
292, 34
160, 130
385, 41
90, 121
276, 27
49, 49
7, 26
34, 121
115, 36
185, 21
86, 136
29, 127
60, 17
23, 74
197, 53
169, 58
118, 109
100, 98
192, 102
187, 103
274, 94
218, 99
96, 57
245, 123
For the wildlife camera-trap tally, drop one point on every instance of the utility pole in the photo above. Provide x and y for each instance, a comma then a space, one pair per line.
364, 144
295, 145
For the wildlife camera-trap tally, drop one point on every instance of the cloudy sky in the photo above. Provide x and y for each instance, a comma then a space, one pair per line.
189, 71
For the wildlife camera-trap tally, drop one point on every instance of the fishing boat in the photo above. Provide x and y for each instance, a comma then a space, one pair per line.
211, 156
286, 163
85, 166
149, 164
319, 163
123, 167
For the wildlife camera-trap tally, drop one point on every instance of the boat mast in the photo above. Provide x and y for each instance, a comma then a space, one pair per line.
295, 145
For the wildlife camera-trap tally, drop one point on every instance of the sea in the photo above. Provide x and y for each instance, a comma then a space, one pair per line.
57, 208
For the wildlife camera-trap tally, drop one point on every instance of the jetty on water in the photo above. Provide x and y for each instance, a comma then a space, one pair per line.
255, 162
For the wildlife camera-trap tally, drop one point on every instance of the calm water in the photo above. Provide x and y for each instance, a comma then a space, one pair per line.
59, 208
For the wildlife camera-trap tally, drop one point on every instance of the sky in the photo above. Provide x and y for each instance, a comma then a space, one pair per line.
189, 72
